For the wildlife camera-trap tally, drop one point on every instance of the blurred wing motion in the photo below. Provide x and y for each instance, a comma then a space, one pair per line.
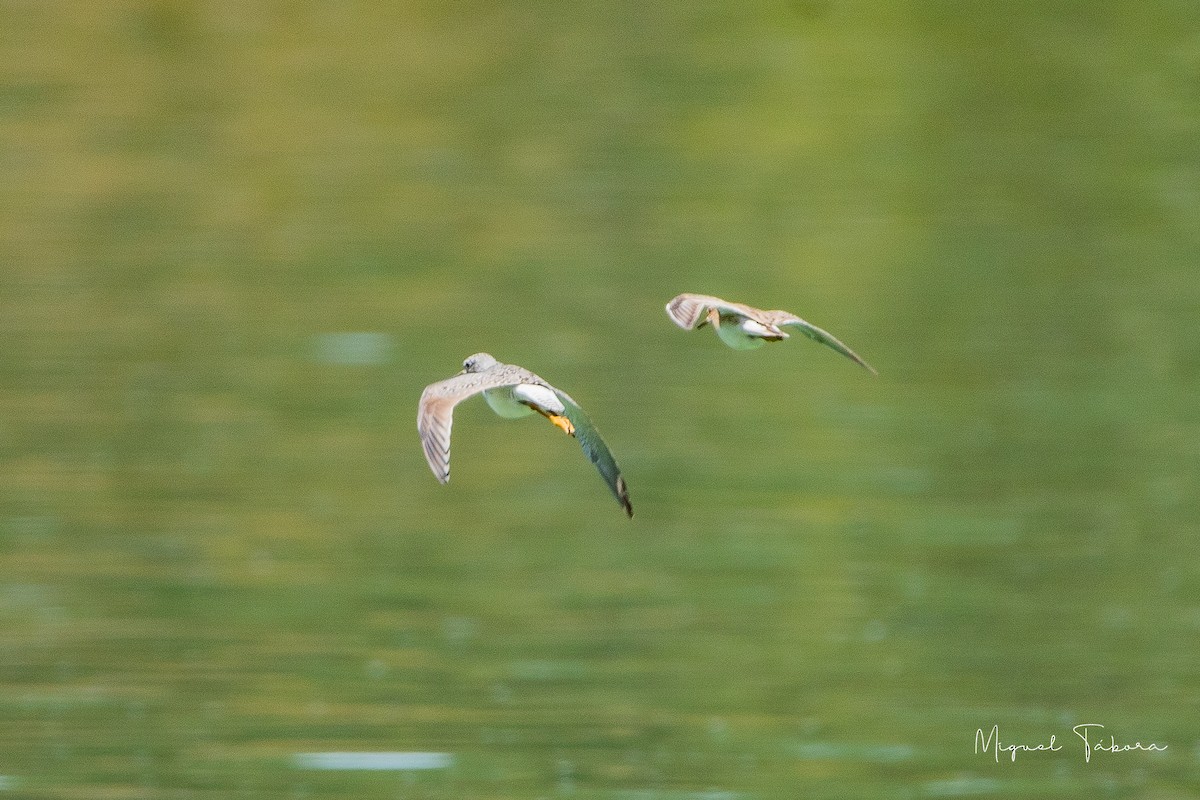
435, 413
596, 450
823, 336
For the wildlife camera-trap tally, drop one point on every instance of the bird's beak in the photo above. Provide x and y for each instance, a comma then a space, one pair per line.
713, 317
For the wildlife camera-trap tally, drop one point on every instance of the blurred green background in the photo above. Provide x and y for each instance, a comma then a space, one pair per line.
238, 238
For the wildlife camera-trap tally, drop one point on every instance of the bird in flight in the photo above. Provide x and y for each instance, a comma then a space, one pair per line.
744, 327
512, 392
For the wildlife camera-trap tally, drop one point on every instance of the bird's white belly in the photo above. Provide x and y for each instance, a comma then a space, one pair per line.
512, 402
746, 335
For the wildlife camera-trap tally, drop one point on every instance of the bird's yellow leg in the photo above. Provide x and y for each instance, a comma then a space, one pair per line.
563, 423
560, 422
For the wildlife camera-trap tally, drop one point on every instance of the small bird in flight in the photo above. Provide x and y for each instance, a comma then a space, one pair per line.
745, 327
512, 392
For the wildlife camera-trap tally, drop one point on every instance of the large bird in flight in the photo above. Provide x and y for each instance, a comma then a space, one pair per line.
512, 392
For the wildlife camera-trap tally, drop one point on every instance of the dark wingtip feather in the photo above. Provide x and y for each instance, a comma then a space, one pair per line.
623, 497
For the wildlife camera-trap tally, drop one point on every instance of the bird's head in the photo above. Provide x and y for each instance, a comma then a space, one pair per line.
478, 362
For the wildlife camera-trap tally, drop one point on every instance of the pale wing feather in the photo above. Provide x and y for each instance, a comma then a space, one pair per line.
819, 335
689, 310
596, 450
435, 411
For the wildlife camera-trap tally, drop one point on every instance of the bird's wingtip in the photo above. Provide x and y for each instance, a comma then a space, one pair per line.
623, 497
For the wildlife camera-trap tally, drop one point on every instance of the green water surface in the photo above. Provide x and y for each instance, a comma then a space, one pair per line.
238, 239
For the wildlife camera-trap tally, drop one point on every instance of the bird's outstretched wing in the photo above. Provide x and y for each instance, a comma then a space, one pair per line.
596, 450
690, 311
435, 412
820, 335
